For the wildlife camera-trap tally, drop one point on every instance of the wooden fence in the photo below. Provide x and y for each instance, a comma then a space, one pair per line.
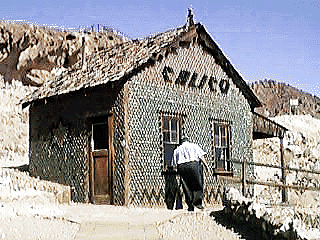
245, 180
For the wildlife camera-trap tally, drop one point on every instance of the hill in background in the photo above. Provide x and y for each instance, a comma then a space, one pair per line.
33, 54
282, 99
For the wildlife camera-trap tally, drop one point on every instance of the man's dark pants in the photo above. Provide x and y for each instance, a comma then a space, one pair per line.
192, 182
173, 195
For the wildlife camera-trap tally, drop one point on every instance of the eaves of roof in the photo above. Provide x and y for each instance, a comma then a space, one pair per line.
111, 64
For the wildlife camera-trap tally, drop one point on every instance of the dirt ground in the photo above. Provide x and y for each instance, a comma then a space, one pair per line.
26, 213
28, 220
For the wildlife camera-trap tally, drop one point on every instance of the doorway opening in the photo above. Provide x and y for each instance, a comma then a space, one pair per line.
102, 161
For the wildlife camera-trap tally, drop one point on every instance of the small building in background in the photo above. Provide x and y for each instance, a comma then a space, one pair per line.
294, 106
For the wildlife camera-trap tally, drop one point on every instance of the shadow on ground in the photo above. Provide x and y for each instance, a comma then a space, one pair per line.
22, 168
245, 230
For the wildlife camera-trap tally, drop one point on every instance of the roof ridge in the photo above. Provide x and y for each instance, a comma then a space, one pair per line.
114, 62
163, 33
122, 60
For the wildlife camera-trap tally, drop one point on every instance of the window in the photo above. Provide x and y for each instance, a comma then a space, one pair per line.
222, 138
170, 131
100, 136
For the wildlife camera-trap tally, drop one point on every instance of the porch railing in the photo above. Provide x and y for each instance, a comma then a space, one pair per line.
245, 179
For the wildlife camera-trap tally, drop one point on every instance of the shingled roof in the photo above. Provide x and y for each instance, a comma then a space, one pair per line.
126, 59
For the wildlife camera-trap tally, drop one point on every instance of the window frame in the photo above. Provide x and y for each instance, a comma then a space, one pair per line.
173, 141
223, 142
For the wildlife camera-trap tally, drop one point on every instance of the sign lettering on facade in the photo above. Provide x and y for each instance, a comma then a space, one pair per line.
184, 76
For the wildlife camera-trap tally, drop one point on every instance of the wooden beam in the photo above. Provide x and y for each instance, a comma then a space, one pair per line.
127, 173
285, 168
244, 177
270, 184
274, 184
284, 193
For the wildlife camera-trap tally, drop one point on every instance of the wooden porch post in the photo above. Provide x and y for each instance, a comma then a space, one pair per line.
283, 174
244, 177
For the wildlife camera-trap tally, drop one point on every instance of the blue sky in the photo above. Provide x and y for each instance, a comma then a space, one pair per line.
269, 39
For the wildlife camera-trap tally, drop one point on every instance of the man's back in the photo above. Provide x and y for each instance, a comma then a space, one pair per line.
187, 152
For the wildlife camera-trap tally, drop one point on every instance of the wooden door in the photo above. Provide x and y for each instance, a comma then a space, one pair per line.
102, 165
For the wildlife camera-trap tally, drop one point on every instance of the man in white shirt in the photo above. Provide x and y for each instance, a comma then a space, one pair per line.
188, 159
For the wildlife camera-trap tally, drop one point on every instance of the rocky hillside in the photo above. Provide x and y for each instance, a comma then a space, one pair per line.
32, 54
14, 124
276, 97
301, 151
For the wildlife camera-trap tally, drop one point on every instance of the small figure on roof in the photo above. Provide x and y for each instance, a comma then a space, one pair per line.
190, 21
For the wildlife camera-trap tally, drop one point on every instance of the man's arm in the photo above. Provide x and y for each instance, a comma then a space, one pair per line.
174, 161
204, 161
